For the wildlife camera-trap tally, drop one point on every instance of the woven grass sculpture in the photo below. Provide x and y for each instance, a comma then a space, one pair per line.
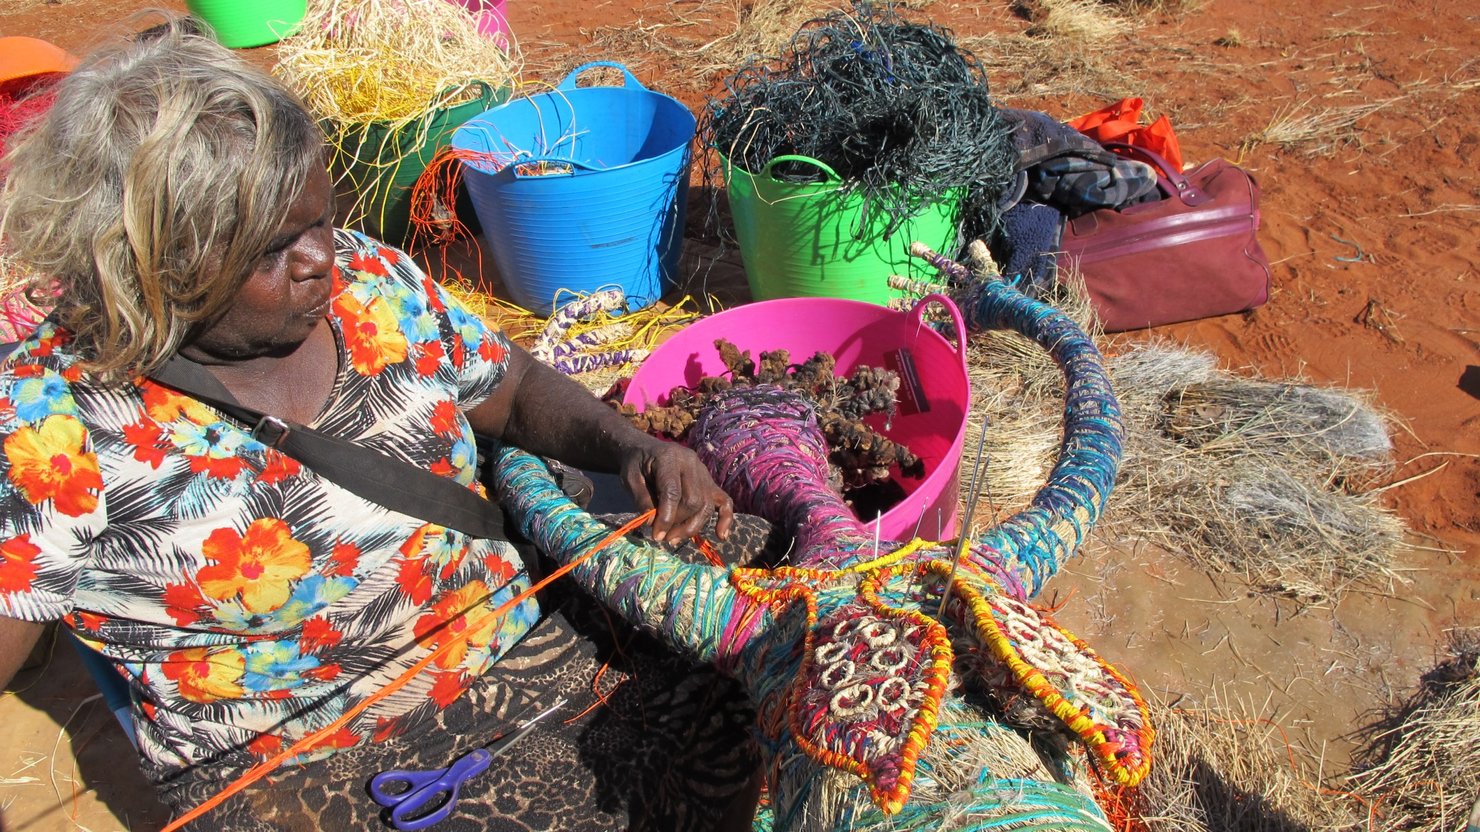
898, 685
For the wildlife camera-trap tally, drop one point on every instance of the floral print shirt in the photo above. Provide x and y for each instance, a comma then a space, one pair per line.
247, 601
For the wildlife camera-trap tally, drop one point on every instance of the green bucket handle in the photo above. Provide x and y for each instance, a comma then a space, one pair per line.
488, 94
569, 83
832, 175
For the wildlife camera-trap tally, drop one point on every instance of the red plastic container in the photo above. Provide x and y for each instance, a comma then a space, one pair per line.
856, 333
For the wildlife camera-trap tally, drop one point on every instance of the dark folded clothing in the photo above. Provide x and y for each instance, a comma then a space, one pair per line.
1025, 244
1062, 167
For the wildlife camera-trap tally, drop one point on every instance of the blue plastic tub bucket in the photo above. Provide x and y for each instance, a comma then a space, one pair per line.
581, 188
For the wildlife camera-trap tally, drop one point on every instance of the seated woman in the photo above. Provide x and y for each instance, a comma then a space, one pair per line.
178, 203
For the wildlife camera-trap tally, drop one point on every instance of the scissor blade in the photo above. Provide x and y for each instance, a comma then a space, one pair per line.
503, 743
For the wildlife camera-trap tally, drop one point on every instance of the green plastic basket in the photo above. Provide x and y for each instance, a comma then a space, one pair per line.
802, 239
240, 24
378, 165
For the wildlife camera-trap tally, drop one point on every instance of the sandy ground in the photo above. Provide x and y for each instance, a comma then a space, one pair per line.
1376, 288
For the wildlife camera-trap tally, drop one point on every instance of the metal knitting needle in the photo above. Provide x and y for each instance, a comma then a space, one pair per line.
972, 494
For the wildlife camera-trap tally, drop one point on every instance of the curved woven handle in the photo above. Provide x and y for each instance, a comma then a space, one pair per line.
569, 83
1046, 533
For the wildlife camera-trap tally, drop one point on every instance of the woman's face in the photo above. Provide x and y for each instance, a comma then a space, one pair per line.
287, 294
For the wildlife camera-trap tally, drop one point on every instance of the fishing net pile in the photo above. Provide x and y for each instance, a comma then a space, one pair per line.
897, 109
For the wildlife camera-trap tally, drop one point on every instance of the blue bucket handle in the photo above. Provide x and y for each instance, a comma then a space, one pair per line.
570, 80
832, 175
918, 313
557, 160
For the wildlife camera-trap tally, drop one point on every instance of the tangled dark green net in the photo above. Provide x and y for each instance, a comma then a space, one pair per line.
897, 109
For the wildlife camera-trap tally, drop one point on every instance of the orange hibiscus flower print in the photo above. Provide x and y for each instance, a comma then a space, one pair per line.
459, 619
258, 566
165, 405
204, 675
50, 462
366, 262
372, 334
17, 563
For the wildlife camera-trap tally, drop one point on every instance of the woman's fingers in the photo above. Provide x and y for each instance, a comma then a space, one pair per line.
673, 480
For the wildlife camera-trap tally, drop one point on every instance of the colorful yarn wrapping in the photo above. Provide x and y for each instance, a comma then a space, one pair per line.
864, 692
1046, 533
594, 349
859, 674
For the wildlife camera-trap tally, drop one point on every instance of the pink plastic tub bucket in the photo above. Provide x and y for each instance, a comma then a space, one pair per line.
856, 333
493, 18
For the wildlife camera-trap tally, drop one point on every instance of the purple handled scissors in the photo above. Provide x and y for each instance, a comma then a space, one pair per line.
418, 799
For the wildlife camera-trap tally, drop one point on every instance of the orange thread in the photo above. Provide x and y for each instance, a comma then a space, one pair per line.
708, 552
1053, 609
266, 767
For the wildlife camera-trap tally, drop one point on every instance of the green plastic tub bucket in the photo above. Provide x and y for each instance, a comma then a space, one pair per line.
240, 24
378, 165
801, 239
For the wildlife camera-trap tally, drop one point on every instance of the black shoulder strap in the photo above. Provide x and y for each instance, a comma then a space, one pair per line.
366, 473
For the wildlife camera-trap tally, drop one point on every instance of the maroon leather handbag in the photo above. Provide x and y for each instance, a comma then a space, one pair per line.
1191, 254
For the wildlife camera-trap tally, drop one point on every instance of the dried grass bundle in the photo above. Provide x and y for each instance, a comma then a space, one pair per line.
1425, 761
1087, 22
1314, 133
1269, 479
1225, 768
392, 61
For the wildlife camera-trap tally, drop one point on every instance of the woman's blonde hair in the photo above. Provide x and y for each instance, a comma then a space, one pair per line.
148, 193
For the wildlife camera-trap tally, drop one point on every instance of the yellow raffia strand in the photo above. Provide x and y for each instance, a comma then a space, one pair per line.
893, 557
390, 61
377, 72
649, 327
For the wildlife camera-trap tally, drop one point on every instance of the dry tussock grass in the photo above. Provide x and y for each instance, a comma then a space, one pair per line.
1314, 132
1272, 480
1227, 767
714, 38
1424, 761
1086, 22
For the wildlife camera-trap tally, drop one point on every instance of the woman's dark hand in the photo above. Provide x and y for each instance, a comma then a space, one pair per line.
671, 478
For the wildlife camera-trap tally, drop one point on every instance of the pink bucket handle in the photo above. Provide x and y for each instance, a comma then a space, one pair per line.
918, 312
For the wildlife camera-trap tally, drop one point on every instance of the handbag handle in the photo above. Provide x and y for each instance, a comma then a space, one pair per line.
1175, 182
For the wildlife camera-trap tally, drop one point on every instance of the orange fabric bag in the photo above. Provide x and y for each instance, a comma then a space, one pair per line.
1121, 122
